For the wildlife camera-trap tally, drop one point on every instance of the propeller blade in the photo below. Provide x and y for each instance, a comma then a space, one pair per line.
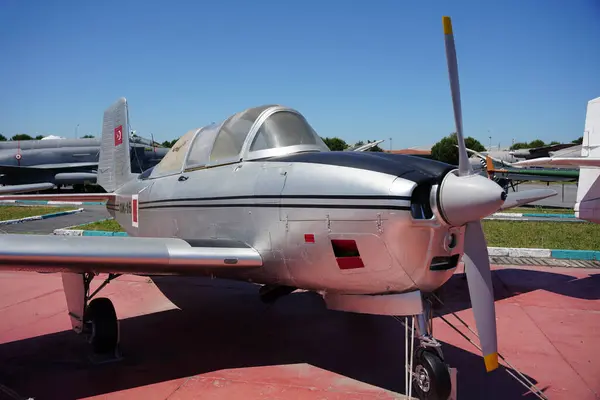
464, 167
479, 279
515, 199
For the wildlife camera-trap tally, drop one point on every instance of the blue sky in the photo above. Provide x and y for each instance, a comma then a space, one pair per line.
356, 69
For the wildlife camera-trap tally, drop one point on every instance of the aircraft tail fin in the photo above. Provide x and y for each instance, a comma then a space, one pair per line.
114, 164
587, 205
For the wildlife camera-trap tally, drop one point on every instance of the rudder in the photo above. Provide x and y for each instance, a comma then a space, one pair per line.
114, 164
588, 191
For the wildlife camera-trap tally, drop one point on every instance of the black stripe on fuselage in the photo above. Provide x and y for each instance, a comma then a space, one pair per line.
282, 197
279, 205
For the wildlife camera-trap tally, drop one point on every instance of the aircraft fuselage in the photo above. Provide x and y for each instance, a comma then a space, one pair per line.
303, 210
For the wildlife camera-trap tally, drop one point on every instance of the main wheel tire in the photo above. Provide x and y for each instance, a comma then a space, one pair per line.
432, 380
104, 325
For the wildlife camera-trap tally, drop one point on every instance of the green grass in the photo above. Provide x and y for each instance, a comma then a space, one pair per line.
543, 235
540, 210
526, 234
109, 225
16, 212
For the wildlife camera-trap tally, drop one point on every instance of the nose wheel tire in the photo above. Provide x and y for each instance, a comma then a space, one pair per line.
103, 325
431, 378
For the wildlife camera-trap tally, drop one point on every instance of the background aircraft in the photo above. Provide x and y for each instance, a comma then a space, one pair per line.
259, 197
587, 204
36, 165
509, 157
510, 175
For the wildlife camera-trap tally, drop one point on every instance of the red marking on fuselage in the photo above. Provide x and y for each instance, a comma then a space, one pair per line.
118, 135
350, 262
134, 210
309, 238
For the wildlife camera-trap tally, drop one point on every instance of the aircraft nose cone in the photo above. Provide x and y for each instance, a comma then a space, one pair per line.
469, 198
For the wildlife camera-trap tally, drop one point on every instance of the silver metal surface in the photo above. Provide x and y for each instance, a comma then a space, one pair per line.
468, 198
390, 304
113, 254
481, 290
75, 294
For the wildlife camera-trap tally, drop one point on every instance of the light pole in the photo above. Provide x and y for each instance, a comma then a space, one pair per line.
77, 131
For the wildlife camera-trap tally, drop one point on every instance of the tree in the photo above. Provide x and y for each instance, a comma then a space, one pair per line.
519, 145
2, 138
552, 143
39, 137
21, 136
536, 143
335, 144
579, 140
87, 137
446, 150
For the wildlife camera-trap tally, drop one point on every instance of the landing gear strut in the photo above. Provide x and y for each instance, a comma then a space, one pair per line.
93, 317
430, 376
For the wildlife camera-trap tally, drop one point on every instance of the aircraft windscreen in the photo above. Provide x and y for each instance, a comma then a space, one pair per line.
172, 162
284, 129
231, 137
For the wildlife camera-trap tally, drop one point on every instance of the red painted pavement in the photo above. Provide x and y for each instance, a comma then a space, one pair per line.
223, 343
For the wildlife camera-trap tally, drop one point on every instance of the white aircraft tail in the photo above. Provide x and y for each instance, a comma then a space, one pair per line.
114, 164
588, 191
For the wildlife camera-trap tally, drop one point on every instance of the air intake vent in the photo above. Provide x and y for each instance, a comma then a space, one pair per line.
419, 202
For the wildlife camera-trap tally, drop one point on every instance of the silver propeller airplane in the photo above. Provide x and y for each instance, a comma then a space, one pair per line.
259, 197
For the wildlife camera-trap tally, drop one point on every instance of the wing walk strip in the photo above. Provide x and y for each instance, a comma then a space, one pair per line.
332, 202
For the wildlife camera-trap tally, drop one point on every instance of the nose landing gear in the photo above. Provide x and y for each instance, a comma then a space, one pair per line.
431, 378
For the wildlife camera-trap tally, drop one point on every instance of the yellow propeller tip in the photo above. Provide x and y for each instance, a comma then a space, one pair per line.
491, 362
447, 25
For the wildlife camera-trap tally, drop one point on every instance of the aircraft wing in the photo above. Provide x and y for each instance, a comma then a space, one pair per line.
572, 161
60, 197
515, 199
131, 255
367, 146
13, 169
31, 187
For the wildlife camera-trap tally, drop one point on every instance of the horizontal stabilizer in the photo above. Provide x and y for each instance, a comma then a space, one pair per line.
110, 254
516, 199
29, 187
571, 161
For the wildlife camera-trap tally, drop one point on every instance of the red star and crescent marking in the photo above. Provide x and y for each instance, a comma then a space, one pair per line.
118, 135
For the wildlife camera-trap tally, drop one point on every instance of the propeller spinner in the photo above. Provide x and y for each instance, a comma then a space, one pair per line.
466, 199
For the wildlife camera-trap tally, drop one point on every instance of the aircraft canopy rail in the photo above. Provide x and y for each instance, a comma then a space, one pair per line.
255, 133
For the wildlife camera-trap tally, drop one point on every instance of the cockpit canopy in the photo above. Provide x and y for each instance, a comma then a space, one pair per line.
252, 134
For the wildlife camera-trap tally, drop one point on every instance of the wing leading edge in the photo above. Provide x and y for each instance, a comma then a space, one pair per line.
132, 255
569, 161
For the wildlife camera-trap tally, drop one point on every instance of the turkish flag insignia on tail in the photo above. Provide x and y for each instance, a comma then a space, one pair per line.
118, 135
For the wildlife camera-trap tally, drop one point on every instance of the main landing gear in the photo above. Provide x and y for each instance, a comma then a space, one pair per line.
93, 317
